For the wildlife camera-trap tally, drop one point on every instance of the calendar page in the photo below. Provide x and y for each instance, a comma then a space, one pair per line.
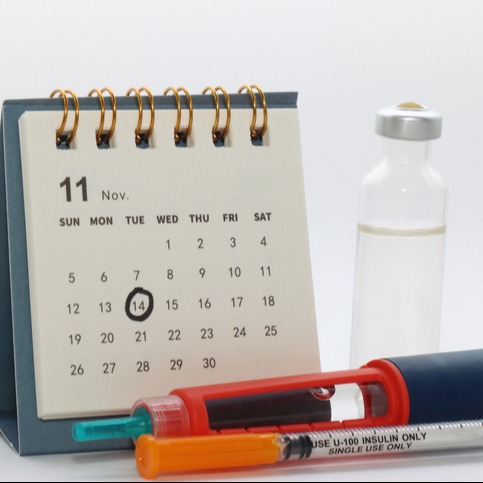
157, 268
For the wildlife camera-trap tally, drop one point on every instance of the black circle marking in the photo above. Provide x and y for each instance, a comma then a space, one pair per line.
147, 312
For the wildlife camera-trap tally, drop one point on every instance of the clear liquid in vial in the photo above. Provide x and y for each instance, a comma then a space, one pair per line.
398, 292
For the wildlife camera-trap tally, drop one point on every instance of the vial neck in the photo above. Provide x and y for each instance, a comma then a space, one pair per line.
405, 152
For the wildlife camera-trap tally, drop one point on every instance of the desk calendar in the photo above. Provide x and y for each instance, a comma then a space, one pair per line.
138, 267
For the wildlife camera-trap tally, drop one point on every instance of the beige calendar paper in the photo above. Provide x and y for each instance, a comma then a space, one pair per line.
157, 268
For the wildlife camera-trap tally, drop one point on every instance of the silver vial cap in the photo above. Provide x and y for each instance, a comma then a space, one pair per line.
409, 121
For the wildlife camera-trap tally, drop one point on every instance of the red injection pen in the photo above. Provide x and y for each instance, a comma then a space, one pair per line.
402, 390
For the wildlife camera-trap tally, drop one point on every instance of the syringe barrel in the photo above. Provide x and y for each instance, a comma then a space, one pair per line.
380, 440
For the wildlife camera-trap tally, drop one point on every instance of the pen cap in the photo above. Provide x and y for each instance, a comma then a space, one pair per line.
443, 387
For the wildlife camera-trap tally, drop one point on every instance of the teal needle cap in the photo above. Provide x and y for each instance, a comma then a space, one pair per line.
126, 427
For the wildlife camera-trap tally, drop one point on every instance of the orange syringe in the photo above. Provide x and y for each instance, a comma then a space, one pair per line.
154, 456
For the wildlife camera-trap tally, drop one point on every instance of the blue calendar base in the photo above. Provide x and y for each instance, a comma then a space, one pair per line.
44, 437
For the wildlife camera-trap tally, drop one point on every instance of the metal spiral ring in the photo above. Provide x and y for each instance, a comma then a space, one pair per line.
215, 132
143, 137
100, 135
60, 132
256, 133
178, 134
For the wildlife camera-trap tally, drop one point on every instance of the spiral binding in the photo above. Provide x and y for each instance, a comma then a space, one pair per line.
143, 137
254, 132
60, 137
181, 131
217, 135
101, 136
181, 136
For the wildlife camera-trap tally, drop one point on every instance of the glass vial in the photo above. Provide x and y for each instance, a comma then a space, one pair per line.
401, 241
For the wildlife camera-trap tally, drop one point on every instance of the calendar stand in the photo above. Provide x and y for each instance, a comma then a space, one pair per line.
24, 379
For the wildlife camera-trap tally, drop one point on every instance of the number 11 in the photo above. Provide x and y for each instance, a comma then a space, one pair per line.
68, 191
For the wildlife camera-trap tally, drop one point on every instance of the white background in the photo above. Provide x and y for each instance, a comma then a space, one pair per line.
346, 58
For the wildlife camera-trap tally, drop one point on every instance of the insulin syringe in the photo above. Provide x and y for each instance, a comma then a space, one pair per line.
154, 456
